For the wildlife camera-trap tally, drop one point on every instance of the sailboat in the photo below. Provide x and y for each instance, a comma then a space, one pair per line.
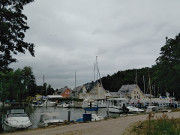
97, 95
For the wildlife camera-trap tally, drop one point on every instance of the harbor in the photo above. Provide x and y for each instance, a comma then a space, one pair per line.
116, 126
35, 113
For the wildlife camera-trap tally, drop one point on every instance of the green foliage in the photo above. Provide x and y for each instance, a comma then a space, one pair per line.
17, 85
114, 82
12, 31
159, 126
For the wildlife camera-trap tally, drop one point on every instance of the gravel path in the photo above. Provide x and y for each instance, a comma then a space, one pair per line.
106, 127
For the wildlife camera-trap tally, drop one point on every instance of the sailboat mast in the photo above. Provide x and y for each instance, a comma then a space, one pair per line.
75, 79
98, 73
144, 84
150, 87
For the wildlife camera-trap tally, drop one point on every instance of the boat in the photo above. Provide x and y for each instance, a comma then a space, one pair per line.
50, 119
66, 105
101, 103
89, 103
152, 108
93, 117
117, 105
91, 109
133, 109
16, 119
48, 103
96, 117
37, 103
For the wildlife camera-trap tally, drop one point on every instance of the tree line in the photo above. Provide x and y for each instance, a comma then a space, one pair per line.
164, 75
20, 85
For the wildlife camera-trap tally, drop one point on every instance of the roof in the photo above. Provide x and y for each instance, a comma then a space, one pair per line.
115, 94
118, 99
77, 89
148, 95
61, 90
54, 96
128, 88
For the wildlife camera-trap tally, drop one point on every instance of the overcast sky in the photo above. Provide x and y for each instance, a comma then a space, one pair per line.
69, 34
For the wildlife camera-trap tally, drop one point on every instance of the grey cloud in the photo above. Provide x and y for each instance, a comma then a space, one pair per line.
68, 35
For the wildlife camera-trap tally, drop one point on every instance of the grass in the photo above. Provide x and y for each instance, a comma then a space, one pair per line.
156, 126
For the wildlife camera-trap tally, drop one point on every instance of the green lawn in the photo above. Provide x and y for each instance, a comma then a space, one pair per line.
156, 126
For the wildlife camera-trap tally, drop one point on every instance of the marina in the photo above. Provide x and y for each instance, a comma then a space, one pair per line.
35, 114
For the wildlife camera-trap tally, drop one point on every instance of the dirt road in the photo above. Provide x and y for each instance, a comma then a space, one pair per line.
106, 127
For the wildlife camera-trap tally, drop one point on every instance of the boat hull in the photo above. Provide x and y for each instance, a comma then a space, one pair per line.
6, 127
115, 110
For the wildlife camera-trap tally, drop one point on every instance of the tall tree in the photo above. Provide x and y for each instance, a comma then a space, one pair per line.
168, 66
12, 31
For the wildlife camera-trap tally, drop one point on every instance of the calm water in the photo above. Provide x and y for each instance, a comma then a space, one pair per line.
35, 112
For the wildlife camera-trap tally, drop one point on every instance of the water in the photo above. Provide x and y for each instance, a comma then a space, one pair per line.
35, 112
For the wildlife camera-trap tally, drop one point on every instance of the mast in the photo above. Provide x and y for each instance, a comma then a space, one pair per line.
75, 79
150, 87
144, 84
98, 73
136, 81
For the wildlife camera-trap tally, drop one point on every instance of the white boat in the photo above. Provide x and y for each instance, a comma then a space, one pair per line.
117, 105
94, 117
152, 109
48, 103
102, 103
133, 109
16, 119
50, 118
89, 103
66, 105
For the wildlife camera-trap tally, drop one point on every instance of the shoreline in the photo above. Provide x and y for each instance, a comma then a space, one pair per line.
112, 126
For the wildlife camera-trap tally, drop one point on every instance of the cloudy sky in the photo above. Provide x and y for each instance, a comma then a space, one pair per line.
69, 34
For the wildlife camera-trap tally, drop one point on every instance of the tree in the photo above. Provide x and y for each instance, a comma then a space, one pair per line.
168, 66
12, 31
17, 85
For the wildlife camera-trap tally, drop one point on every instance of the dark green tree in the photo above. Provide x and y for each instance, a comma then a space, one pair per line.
168, 66
50, 90
12, 31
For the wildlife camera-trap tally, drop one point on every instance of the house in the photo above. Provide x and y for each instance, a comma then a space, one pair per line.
98, 92
148, 96
115, 94
79, 92
131, 91
65, 92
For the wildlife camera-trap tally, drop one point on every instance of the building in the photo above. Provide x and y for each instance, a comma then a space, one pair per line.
131, 91
79, 92
65, 92
98, 92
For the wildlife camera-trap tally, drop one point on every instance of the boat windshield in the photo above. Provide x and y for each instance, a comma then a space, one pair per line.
16, 111
17, 115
